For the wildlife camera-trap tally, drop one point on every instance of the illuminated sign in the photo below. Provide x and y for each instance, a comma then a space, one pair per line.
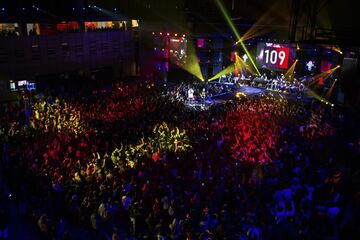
310, 65
200, 42
275, 56
22, 85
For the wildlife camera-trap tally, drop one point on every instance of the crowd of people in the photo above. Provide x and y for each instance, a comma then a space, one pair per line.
136, 163
9, 33
198, 92
33, 32
280, 83
106, 29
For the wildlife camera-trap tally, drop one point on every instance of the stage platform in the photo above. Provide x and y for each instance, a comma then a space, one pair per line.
248, 91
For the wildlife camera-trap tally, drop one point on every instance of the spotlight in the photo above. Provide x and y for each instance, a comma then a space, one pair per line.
338, 66
168, 34
153, 33
175, 34
89, 6
83, 8
94, 6
341, 52
3, 9
73, 9
332, 105
115, 9
184, 35
160, 33
23, 9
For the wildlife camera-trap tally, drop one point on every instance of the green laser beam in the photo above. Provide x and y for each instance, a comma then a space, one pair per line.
234, 30
225, 71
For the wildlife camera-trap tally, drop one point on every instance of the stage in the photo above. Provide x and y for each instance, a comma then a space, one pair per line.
245, 91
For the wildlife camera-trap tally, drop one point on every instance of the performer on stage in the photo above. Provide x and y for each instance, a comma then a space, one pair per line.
190, 94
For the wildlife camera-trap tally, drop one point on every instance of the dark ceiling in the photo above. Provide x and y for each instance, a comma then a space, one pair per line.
342, 12
204, 14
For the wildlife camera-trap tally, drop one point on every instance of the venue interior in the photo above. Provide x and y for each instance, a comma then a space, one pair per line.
179, 120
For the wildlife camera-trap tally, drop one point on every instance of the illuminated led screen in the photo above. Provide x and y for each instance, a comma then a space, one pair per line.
178, 49
275, 56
